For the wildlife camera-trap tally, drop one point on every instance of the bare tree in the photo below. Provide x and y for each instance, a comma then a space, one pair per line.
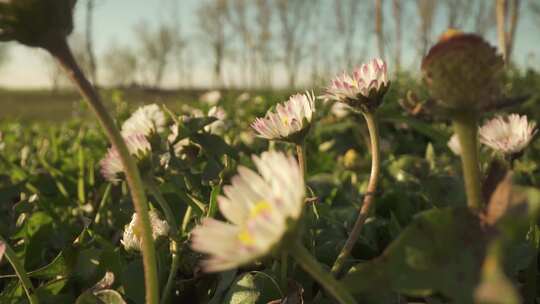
535, 9
295, 18
507, 19
379, 30
426, 12
484, 17
265, 55
121, 62
212, 16
156, 47
347, 25
458, 12
397, 11
90, 5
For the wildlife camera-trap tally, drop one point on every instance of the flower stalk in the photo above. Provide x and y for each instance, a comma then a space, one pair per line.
301, 155
61, 52
12, 258
311, 266
369, 197
467, 131
174, 248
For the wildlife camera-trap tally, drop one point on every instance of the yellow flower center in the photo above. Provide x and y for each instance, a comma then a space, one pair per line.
245, 236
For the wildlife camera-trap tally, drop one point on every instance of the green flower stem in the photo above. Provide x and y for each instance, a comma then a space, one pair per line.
325, 279
175, 259
12, 258
300, 152
467, 131
531, 280
283, 271
369, 197
61, 52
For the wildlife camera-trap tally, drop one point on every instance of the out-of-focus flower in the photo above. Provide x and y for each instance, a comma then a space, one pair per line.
211, 98
178, 145
36, 23
146, 120
509, 135
111, 164
340, 110
192, 111
454, 145
218, 126
259, 208
463, 72
131, 240
351, 159
290, 121
247, 137
243, 97
364, 89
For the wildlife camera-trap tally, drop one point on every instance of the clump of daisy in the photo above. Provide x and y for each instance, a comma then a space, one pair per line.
290, 121
259, 207
508, 135
146, 120
131, 239
111, 165
453, 145
364, 89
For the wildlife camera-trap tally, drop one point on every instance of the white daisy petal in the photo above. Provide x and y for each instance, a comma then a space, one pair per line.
289, 118
508, 135
258, 205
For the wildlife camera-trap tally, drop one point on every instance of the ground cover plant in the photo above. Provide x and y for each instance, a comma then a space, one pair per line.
374, 188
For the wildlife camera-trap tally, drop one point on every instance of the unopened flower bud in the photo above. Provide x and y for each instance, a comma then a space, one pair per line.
36, 23
463, 72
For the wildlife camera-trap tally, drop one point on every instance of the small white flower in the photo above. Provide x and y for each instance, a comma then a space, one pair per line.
258, 207
366, 82
289, 118
217, 127
211, 98
454, 145
131, 240
509, 135
111, 164
145, 120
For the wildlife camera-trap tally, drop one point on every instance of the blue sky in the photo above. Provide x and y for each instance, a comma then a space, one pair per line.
115, 20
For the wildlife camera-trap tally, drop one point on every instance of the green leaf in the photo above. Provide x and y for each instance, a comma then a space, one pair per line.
109, 296
214, 145
448, 241
252, 288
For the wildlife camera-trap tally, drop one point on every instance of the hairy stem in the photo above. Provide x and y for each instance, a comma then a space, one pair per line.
369, 197
61, 52
12, 258
175, 259
325, 279
301, 158
467, 132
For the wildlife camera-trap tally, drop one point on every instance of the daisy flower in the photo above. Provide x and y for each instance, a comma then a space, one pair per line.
509, 135
145, 120
111, 164
131, 239
363, 89
258, 207
290, 121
